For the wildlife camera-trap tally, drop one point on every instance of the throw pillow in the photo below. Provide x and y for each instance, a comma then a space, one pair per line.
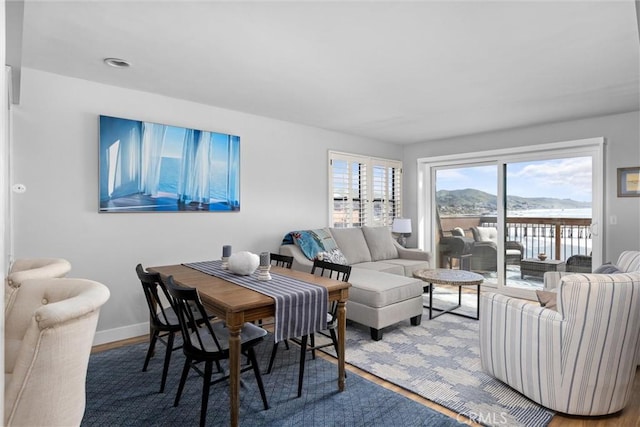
607, 268
380, 243
458, 231
548, 299
334, 255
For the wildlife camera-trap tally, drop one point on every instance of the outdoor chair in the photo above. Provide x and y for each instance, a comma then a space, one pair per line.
208, 342
456, 245
484, 255
579, 264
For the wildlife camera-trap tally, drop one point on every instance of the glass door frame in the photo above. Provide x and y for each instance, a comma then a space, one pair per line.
427, 167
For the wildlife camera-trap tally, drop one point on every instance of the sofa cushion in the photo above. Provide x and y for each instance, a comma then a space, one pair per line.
380, 243
377, 289
485, 234
384, 266
408, 265
352, 244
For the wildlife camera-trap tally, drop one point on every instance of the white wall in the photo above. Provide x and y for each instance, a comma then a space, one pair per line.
622, 136
283, 187
283, 184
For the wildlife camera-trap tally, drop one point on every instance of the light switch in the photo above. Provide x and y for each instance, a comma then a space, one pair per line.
613, 219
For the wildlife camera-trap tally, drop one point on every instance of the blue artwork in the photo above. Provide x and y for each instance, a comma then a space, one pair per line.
152, 167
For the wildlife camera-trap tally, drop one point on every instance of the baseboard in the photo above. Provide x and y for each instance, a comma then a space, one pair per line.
123, 333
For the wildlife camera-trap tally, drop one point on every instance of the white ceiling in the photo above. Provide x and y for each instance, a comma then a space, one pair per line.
396, 71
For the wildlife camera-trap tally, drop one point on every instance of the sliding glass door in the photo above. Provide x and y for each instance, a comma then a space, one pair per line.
463, 197
519, 214
549, 214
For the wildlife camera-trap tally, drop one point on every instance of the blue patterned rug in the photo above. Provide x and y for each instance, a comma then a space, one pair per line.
440, 360
120, 394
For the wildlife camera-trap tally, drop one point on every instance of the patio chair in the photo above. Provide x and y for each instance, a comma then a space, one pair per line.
484, 255
579, 264
456, 246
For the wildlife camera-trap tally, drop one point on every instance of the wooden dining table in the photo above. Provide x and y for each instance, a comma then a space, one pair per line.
236, 305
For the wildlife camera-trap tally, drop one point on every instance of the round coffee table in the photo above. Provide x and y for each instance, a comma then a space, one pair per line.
443, 276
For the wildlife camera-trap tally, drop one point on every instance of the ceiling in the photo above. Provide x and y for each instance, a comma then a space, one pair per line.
400, 72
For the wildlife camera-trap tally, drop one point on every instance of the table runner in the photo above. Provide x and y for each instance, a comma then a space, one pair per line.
300, 307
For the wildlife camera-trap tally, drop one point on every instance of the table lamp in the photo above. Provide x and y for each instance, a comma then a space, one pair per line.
402, 227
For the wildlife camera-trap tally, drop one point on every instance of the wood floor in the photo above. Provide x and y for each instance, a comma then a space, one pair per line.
629, 417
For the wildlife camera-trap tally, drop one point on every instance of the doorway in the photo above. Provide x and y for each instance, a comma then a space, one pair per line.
526, 211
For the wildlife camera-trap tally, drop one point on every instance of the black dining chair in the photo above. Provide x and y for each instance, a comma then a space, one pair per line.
208, 342
163, 322
279, 260
307, 342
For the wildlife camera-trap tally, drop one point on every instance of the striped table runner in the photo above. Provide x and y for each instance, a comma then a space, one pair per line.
301, 307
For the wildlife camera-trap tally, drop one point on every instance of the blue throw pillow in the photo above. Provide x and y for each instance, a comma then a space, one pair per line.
607, 268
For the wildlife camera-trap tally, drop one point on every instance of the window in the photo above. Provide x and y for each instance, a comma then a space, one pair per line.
363, 190
547, 197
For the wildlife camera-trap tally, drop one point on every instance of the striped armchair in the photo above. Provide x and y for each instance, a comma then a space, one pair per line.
579, 360
628, 261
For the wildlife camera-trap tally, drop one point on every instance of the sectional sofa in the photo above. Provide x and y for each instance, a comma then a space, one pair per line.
383, 289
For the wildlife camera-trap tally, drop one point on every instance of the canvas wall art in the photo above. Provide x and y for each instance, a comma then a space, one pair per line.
151, 167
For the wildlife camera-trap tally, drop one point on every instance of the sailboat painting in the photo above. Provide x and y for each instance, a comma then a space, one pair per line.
151, 167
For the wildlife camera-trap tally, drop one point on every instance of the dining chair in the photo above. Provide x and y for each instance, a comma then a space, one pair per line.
163, 322
279, 260
208, 342
342, 272
307, 342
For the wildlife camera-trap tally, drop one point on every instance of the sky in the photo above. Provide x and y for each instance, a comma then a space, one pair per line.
568, 178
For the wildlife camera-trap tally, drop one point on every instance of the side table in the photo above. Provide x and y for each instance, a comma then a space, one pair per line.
537, 268
444, 276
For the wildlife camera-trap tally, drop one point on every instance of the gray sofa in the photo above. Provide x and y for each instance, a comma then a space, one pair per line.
383, 290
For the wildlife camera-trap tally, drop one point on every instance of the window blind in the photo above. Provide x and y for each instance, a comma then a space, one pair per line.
363, 190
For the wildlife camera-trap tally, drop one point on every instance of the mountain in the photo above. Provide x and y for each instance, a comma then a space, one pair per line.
470, 201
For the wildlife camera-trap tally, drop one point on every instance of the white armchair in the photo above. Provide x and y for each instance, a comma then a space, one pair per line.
579, 360
31, 268
48, 339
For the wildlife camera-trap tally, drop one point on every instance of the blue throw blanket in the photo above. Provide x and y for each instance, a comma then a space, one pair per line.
316, 244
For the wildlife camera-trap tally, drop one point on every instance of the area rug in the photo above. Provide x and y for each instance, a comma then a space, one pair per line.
120, 394
440, 360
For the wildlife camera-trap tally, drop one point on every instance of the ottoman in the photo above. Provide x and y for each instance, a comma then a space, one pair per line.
378, 299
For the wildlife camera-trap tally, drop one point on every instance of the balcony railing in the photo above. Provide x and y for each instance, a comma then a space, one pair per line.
559, 238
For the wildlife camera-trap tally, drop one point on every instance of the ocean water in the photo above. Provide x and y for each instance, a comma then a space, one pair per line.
552, 213
170, 174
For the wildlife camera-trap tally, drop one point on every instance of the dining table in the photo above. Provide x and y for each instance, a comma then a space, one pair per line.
236, 305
